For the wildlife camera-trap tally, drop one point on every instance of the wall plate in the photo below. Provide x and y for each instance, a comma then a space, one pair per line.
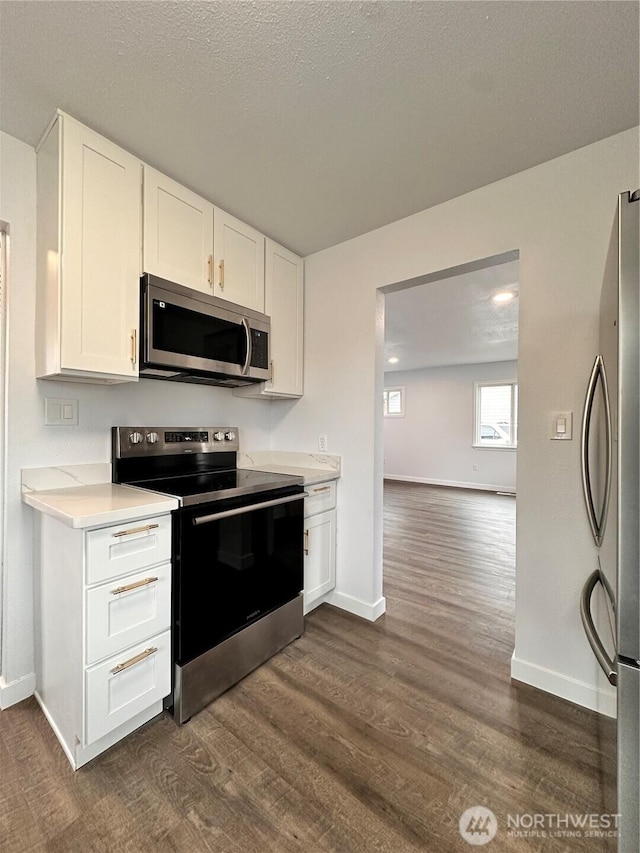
60, 411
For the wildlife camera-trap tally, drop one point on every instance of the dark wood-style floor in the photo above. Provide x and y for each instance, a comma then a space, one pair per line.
357, 737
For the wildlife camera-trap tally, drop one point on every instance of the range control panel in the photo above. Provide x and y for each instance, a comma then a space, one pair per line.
164, 441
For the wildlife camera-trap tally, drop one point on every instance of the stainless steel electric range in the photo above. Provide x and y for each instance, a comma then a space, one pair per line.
237, 554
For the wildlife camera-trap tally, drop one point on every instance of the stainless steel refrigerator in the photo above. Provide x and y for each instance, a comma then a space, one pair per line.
610, 455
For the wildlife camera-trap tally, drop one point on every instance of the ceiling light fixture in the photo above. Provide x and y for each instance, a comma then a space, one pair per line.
393, 360
504, 296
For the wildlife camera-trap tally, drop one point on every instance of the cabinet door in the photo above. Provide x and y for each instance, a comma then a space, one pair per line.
178, 232
320, 557
284, 295
101, 231
284, 303
238, 252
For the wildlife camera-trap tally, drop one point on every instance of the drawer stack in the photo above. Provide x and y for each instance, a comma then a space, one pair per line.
104, 639
127, 622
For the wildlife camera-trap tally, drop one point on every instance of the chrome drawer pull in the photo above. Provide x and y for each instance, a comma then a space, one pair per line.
136, 585
132, 530
145, 654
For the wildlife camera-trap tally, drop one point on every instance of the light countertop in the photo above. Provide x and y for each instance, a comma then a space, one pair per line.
312, 467
98, 504
311, 476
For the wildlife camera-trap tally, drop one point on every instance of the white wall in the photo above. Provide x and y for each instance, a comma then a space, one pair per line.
433, 442
559, 216
32, 444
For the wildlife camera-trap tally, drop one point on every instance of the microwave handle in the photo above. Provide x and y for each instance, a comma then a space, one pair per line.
247, 361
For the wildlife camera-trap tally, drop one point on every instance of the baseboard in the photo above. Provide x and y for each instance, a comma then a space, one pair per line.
16, 691
586, 695
371, 612
485, 487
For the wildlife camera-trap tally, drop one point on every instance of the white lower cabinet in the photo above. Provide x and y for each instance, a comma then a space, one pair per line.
103, 639
319, 544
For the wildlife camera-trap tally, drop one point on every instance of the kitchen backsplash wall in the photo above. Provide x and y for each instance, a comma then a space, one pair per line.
32, 444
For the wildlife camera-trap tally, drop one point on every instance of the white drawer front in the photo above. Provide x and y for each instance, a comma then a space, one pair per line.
112, 697
322, 496
124, 612
127, 547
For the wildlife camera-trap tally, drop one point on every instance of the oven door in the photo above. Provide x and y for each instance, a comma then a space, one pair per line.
234, 562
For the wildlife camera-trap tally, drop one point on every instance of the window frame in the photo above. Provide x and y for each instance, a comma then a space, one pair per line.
478, 386
385, 398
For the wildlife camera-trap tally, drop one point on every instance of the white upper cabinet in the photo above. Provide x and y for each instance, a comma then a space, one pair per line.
178, 233
284, 303
89, 232
284, 298
189, 241
238, 252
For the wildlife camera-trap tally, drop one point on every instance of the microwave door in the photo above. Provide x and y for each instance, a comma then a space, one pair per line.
190, 339
228, 344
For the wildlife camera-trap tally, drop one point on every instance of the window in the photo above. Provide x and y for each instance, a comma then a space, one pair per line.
496, 414
394, 402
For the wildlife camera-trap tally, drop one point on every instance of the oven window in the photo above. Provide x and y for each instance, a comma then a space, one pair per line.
234, 570
186, 332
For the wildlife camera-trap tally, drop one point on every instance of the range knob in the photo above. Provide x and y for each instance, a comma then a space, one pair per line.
230, 436
152, 437
135, 437
218, 436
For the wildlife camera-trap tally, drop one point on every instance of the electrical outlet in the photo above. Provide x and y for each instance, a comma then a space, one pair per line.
322, 442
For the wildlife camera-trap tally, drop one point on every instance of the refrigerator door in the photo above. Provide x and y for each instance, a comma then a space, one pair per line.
628, 782
628, 431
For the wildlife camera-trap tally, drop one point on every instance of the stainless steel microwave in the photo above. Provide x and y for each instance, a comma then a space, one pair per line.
189, 336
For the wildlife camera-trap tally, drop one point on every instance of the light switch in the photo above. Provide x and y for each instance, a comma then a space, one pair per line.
561, 426
58, 411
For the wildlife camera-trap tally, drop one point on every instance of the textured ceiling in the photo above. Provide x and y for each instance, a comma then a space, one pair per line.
318, 121
453, 321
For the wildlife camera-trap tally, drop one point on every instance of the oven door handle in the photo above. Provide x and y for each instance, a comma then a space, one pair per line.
216, 516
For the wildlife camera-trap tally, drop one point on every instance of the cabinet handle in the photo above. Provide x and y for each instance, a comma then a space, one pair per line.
210, 270
322, 489
133, 530
306, 542
221, 268
134, 346
136, 585
145, 654
273, 371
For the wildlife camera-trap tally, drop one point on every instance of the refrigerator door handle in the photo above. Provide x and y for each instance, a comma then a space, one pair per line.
595, 642
597, 523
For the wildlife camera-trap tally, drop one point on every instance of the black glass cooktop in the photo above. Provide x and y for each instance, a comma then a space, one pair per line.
209, 486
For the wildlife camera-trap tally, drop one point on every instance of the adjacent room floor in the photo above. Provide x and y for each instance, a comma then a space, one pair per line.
357, 737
